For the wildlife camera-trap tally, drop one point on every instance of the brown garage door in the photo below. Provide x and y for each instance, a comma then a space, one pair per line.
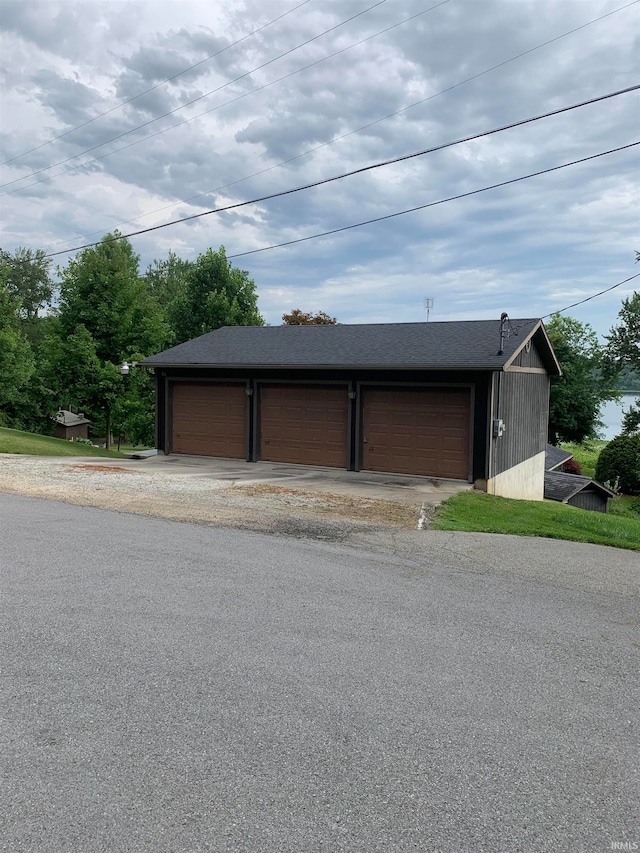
417, 431
209, 420
304, 424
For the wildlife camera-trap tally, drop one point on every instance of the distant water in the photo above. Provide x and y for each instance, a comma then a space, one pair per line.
611, 414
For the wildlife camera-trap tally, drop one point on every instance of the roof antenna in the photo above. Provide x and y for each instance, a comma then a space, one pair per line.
503, 331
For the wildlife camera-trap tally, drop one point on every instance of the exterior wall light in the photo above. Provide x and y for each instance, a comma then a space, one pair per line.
352, 395
248, 392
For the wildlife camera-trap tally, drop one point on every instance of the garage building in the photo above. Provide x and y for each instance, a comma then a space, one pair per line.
461, 400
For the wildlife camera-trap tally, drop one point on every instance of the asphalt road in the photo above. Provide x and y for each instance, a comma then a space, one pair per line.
169, 687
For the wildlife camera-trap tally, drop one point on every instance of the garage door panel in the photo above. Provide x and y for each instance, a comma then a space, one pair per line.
417, 431
209, 420
304, 424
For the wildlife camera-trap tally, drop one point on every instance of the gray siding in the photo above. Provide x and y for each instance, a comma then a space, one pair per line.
521, 400
592, 500
528, 359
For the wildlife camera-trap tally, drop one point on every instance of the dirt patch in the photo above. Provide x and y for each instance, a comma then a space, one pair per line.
103, 469
394, 513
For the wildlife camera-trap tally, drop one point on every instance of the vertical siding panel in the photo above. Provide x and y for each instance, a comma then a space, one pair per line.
524, 408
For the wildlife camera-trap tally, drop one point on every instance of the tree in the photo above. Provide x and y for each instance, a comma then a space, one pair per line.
624, 339
27, 277
215, 294
631, 419
28, 280
300, 318
619, 464
106, 316
624, 351
16, 358
588, 379
134, 408
167, 278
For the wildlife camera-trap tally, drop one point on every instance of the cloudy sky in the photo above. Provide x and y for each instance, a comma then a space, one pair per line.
283, 93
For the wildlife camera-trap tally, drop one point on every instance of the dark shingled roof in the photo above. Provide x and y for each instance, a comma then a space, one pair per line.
554, 457
470, 344
562, 487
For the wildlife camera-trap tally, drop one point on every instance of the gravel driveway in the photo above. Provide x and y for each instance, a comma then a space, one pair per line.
147, 490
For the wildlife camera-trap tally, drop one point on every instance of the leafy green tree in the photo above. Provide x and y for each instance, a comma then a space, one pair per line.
134, 409
624, 350
17, 364
215, 294
28, 277
296, 317
588, 379
631, 419
619, 464
167, 278
624, 339
106, 315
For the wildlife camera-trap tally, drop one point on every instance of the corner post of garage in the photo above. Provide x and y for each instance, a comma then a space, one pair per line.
159, 426
354, 426
166, 414
250, 392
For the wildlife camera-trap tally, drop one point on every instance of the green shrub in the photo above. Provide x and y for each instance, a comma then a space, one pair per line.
619, 464
79, 440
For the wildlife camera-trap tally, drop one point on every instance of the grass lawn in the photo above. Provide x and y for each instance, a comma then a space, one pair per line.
586, 454
16, 441
626, 506
480, 513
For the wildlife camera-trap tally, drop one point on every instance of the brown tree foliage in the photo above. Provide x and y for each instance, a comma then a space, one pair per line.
301, 318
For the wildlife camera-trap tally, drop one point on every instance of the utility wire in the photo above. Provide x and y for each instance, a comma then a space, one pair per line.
156, 86
77, 166
330, 142
589, 298
360, 170
199, 98
430, 204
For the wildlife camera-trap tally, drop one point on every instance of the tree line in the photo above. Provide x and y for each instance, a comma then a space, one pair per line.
62, 343
64, 338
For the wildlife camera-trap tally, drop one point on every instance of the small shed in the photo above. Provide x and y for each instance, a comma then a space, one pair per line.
572, 489
581, 492
70, 425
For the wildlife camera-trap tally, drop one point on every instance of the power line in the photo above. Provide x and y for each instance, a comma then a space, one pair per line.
360, 170
207, 112
332, 141
589, 298
430, 204
195, 100
156, 86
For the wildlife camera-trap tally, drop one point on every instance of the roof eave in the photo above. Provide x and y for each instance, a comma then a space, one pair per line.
284, 366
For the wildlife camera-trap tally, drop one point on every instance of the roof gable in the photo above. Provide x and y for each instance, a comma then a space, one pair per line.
562, 487
470, 344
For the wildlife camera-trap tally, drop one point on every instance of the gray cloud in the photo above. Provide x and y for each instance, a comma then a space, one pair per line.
512, 249
71, 101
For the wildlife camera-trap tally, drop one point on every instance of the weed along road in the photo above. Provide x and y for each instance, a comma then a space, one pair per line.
173, 687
